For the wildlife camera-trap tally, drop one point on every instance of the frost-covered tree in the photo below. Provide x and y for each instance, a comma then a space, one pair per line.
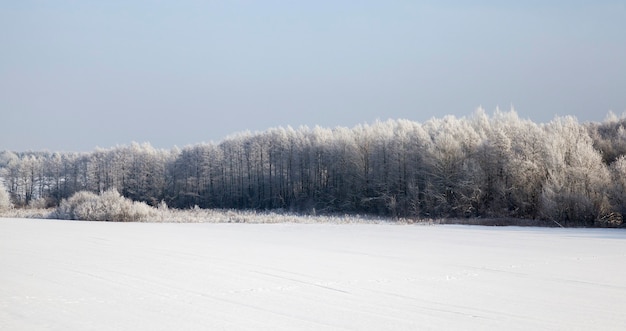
609, 137
451, 174
617, 192
511, 157
5, 199
479, 166
575, 189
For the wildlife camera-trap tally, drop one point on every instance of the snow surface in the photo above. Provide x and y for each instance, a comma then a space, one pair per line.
69, 275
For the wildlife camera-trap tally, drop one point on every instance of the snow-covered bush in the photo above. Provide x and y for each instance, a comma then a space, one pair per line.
108, 206
5, 199
40, 203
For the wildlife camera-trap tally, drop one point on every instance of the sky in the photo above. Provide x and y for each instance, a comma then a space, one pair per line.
76, 75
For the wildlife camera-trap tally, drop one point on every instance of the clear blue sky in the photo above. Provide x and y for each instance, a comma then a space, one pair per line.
79, 74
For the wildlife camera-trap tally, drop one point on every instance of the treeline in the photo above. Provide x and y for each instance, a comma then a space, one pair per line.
478, 166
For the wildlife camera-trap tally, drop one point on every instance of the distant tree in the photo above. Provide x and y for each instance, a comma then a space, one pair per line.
609, 137
511, 157
479, 166
5, 199
575, 190
451, 173
617, 191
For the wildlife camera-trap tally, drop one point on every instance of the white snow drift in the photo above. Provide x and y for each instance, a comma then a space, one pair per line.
68, 275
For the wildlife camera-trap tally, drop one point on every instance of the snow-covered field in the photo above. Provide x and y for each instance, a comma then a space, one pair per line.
70, 275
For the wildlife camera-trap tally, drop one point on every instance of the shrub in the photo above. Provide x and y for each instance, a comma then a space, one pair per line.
108, 206
40, 203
